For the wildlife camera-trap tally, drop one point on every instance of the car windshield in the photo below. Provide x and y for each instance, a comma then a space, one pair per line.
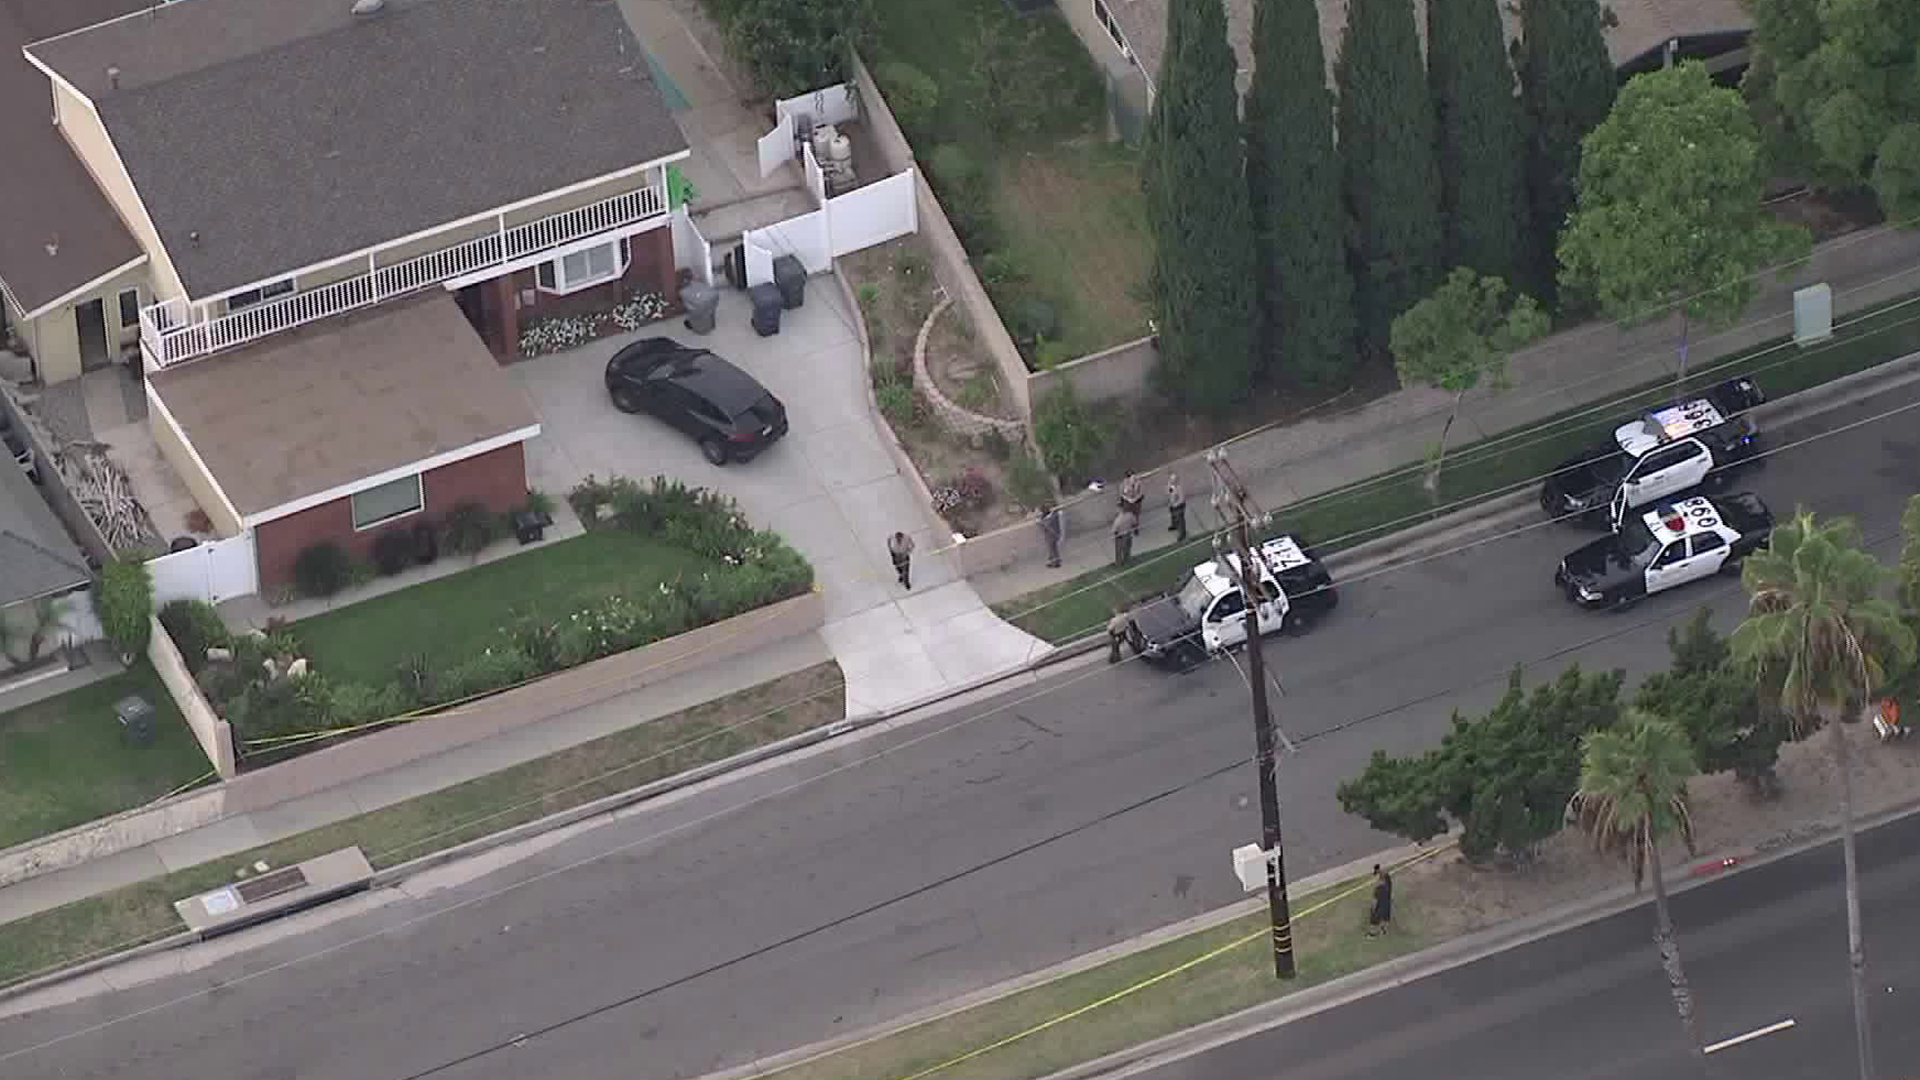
1637, 541
1193, 597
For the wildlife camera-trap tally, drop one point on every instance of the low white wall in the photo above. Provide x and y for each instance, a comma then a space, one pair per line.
214, 734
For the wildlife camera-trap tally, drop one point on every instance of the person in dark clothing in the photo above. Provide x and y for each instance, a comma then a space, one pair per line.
1176, 509
1051, 528
1124, 526
900, 549
1380, 919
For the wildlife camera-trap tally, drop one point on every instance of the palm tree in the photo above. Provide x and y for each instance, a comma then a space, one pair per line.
1823, 638
1633, 791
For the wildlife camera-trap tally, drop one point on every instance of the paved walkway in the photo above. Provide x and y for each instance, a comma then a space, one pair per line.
1589, 364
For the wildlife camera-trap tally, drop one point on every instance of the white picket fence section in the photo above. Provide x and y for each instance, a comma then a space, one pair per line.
212, 572
690, 249
847, 223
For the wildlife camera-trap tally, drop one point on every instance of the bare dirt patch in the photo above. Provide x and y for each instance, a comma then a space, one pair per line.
965, 374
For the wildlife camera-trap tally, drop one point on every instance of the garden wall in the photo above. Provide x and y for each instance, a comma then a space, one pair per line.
214, 734
575, 688
1123, 372
949, 256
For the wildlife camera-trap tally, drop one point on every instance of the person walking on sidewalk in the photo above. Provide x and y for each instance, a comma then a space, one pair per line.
1125, 524
1176, 509
1133, 494
900, 549
1116, 633
1380, 919
1052, 529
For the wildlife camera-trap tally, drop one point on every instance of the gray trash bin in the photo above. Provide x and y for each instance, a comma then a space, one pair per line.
766, 309
790, 274
701, 301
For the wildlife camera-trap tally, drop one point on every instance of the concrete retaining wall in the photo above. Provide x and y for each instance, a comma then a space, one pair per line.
214, 734
953, 416
1123, 372
111, 835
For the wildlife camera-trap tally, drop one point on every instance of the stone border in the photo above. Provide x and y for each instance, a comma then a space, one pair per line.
902, 462
958, 418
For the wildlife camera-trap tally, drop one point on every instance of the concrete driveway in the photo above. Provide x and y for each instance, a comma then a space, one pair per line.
830, 488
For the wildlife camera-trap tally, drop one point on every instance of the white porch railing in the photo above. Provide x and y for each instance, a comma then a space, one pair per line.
174, 331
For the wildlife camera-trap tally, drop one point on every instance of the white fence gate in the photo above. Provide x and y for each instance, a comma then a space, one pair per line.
690, 249
212, 572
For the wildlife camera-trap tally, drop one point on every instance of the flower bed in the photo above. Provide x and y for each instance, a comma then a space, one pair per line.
562, 332
280, 695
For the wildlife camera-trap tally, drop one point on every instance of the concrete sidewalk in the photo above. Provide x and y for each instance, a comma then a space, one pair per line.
232, 833
1589, 364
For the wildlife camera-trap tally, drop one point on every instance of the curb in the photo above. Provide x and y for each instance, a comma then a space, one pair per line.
1459, 952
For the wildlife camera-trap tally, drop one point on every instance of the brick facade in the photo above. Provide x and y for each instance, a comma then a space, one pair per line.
496, 479
500, 306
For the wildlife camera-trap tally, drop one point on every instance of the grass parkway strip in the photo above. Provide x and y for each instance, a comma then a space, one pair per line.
660, 748
1396, 500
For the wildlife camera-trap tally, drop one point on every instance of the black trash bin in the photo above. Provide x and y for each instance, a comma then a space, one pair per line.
767, 306
790, 274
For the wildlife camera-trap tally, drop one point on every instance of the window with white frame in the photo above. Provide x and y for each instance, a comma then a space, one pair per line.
129, 308
250, 297
395, 498
584, 268
1113, 26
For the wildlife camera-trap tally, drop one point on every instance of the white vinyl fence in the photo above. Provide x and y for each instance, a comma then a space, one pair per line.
690, 249
834, 104
212, 572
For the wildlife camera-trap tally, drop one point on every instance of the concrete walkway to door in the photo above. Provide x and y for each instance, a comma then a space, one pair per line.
830, 488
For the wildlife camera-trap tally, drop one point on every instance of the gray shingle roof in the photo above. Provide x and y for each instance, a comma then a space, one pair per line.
36, 555
57, 232
289, 132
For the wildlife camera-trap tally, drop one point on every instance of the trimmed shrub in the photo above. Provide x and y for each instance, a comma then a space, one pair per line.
124, 603
913, 97
1072, 441
470, 527
1026, 481
393, 551
194, 627
1032, 320
323, 569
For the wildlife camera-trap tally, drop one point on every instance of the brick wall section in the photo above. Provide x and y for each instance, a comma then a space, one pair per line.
496, 479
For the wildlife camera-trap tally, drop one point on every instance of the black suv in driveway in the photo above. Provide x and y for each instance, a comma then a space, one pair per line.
725, 409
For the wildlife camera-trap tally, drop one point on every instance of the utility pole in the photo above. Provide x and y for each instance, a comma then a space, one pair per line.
1236, 511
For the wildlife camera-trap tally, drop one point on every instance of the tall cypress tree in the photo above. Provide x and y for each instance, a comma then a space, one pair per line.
1482, 147
1567, 83
1293, 178
1197, 208
1392, 185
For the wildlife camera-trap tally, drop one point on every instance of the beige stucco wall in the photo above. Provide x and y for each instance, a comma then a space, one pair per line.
173, 447
55, 336
90, 142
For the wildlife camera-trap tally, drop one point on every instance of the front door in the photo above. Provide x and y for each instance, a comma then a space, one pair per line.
1226, 623
90, 322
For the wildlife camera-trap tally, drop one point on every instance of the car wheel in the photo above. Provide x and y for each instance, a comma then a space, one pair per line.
1294, 624
715, 450
1731, 567
626, 400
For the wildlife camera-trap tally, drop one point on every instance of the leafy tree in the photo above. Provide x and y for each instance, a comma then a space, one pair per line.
1481, 142
1669, 212
1633, 791
1910, 560
125, 606
1717, 702
1198, 212
1822, 639
1460, 335
1567, 86
793, 46
1391, 181
1293, 176
1840, 92
1504, 777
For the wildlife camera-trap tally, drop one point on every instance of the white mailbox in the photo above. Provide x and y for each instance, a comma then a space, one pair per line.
1250, 866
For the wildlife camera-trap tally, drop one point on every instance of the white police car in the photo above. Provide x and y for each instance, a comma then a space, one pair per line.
1207, 613
1669, 546
1662, 452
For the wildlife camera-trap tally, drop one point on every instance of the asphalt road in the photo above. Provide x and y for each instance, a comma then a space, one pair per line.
982, 847
1761, 947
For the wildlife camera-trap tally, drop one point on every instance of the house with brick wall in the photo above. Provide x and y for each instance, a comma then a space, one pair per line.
340, 215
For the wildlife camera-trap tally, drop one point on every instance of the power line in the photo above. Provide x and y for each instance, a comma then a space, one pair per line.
859, 762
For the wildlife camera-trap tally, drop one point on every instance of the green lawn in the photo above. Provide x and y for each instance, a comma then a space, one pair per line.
1383, 504
1234, 970
458, 615
622, 761
64, 761
1062, 206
